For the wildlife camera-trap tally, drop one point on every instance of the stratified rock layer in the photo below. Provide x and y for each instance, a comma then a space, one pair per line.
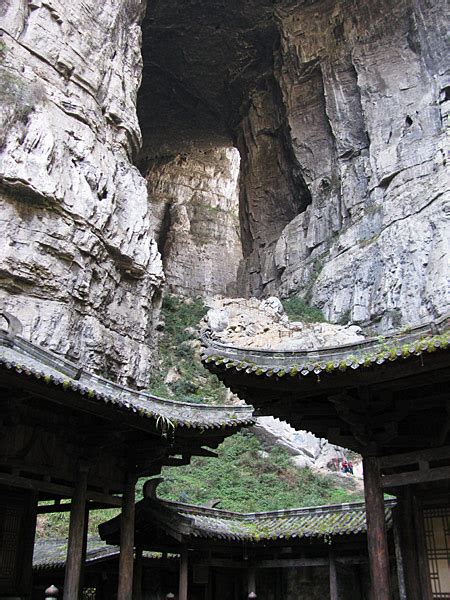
194, 198
365, 96
338, 110
78, 263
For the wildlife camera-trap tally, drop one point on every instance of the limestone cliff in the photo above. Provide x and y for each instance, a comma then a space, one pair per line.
194, 198
79, 265
337, 108
364, 89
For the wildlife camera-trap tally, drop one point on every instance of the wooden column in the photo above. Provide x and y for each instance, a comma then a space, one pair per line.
125, 588
251, 579
184, 572
399, 555
334, 593
76, 536
137, 585
406, 546
376, 530
83, 557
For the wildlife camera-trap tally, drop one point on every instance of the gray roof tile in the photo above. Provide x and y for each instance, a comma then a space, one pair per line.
23, 357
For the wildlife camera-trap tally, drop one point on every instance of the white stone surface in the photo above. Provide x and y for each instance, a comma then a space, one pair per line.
263, 324
306, 449
78, 262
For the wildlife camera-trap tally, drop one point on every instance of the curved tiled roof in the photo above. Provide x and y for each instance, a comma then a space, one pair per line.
52, 553
192, 522
314, 522
23, 357
371, 352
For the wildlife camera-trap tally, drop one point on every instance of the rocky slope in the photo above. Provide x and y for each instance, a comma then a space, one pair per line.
253, 323
79, 265
305, 449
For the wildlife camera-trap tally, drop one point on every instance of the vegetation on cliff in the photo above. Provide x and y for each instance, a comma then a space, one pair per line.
179, 373
245, 478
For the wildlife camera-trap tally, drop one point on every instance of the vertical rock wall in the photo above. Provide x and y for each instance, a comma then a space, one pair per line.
194, 199
365, 98
78, 262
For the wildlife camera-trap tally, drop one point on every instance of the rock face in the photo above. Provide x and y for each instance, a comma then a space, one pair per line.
338, 110
306, 449
364, 91
194, 198
79, 265
264, 324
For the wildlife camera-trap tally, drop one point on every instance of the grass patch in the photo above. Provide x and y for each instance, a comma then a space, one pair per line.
245, 479
176, 349
57, 524
298, 309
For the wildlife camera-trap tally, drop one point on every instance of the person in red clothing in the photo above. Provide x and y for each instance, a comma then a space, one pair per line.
350, 467
344, 467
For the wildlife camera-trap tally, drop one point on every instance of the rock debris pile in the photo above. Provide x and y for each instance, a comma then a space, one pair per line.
264, 324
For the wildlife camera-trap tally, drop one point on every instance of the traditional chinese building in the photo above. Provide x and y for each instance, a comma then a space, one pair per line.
387, 399
295, 554
69, 435
155, 571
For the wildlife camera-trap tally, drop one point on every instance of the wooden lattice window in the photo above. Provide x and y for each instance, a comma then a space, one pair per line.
437, 538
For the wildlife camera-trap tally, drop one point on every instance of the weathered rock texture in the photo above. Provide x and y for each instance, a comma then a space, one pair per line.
79, 265
194, 198
363, 86
338, 111
264, 324
337, 108
305, 449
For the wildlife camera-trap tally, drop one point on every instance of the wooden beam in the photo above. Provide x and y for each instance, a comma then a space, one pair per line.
184, 575
412, 477
76, 537
45, 509
281, 563
410, 458
285, 563
126, 559
57, 489
376, 530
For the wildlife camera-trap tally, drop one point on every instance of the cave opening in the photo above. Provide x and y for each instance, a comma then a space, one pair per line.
222, 179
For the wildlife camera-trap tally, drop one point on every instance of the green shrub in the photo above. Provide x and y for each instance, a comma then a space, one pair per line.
244, 479
181, 318
297, 309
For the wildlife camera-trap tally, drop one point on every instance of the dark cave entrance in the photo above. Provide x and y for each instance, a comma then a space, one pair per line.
208, 86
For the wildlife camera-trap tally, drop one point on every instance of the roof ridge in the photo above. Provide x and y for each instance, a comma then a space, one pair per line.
320, 509
374, 341
73, 371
